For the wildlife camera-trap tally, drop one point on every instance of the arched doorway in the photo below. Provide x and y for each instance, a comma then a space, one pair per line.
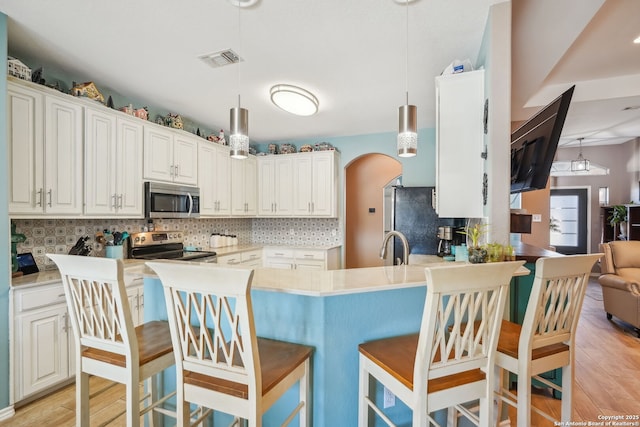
365, 179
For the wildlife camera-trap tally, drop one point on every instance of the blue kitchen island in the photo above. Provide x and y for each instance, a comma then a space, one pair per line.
333, 311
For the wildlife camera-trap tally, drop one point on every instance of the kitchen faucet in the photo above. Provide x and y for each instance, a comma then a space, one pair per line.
405, 245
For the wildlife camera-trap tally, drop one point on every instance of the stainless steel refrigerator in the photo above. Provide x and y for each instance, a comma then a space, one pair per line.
413, 214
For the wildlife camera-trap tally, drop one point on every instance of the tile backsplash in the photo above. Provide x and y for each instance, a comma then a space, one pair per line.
60, 235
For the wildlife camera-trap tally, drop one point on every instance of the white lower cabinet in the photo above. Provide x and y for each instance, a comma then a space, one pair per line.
43, 346
245, 259
300, 259
43, 340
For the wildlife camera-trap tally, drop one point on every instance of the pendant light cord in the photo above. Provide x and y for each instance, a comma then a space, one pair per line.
407, 52
239, 50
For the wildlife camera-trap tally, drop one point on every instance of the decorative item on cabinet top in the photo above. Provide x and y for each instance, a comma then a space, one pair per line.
87, 89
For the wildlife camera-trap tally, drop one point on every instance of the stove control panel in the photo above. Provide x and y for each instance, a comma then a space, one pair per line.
150, 238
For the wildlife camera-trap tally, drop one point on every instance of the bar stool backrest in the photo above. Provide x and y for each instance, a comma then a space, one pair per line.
98, 304
212, 327
461, 319
555, 301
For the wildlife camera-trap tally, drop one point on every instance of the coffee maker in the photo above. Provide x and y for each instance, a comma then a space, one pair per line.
445, 236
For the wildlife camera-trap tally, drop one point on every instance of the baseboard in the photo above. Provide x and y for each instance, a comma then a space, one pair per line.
6, 413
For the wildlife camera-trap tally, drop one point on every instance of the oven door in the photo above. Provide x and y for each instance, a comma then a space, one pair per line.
171, 201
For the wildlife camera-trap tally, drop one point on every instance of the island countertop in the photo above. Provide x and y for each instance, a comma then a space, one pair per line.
323, 283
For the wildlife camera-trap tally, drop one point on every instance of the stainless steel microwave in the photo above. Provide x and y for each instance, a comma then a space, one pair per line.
171, 201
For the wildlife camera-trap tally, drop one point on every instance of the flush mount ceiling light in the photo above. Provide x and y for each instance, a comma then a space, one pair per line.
294, 100
243, 3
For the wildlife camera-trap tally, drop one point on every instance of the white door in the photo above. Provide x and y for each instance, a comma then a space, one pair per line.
63, 157
185, 160
323, 189
158, 154
223, 181
283, 193
266, 186
45, 344
302, 185
129, 168
25, 143
100, 163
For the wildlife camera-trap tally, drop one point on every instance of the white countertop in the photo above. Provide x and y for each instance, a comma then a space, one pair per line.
322, 283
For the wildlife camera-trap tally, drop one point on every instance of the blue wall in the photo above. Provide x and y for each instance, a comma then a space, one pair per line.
4, 224
416, 171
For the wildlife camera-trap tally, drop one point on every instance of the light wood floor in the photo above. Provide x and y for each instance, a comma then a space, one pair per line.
607, 376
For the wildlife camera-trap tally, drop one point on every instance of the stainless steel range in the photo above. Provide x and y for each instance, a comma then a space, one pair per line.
165, 245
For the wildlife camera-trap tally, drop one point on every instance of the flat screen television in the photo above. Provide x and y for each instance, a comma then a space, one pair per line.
534, 144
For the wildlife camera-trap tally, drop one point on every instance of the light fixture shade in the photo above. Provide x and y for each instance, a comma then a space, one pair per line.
407, 131
580, 165
294, 99
239, 133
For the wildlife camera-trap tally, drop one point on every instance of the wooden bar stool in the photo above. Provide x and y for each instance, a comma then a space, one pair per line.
220, 363
446, 364
106, 343
545, 340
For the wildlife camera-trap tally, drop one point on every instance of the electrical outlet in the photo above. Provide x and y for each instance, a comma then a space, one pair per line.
291, 232
536, 218
334, 232
389, 399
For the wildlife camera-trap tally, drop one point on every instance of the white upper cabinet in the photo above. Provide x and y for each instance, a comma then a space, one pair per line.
113, 164
315, 179
459, 145
170, 157
275, 180
45, 153
214, 179
243, 186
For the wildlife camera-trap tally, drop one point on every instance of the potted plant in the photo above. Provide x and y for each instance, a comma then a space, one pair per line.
619, 217
477, 253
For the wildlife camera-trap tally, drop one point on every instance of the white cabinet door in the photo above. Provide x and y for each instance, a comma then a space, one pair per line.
136, 303
243, 186
129, 160
63, 157
185, 160
100, 163
214, 180
459, 145
25, 119
302, 185
158, 154
45, 153
266, 186
275, 181
169, 156
113, 164
324, 179
44, 339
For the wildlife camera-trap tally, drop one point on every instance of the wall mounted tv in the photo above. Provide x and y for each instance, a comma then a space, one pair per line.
534, 144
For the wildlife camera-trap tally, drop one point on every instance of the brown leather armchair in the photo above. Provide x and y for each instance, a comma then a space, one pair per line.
620, 281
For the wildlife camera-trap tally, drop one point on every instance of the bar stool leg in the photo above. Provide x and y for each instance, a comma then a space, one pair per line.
363, 408
524, 399
82, 398
567, 390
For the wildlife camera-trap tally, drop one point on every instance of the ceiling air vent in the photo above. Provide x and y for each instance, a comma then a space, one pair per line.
221, 58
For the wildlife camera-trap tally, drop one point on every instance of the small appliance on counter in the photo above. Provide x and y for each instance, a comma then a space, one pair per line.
445, 240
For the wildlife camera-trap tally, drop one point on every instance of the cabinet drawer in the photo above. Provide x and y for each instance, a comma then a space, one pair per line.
230, 259
278, 253
306, 254
41, 296
251, 256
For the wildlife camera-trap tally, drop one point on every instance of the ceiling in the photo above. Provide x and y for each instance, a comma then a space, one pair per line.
351, 54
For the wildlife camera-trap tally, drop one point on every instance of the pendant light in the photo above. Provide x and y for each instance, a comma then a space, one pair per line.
239, 119
407, 114
580, 164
